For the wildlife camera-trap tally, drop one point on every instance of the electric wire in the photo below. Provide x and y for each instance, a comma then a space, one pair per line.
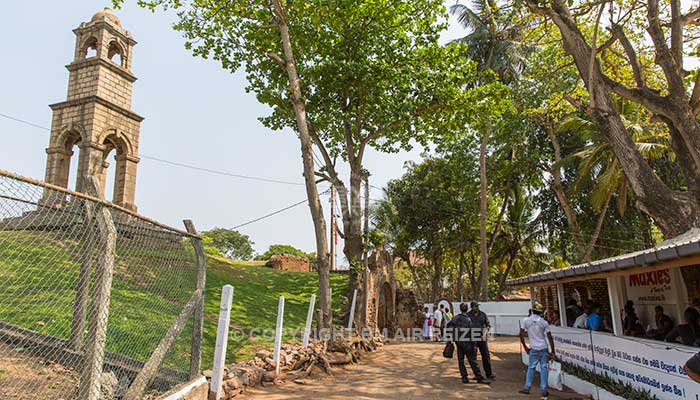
177, 163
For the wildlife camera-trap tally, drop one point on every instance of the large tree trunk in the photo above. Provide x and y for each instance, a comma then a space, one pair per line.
353, 246
673, 211
435, 281
483, 209
309, 176
473, 277
460, 275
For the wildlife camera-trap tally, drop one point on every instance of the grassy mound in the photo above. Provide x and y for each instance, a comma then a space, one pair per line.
255, 297
39, 276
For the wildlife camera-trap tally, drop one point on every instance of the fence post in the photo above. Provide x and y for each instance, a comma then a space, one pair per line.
83, 291
97, 325
217, 374
198, 324
278, 334
352, 310
309, 318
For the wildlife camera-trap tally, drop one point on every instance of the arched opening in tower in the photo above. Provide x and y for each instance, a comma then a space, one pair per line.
116, 54
113, 171
68, 164
90, 48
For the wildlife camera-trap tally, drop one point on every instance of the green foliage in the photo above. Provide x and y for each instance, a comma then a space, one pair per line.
612, 385
229, 243
279, 249
372, 71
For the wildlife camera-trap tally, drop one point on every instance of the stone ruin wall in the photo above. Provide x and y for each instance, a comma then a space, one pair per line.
389, 305
289, 263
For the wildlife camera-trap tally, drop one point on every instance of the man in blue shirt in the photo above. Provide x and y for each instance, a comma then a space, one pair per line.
594, 321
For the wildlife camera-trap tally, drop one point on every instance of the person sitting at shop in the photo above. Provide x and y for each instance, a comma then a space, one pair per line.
573, 311
580, 322
556, 318
630, 323
607, 324
687, 333
664, 325
594, 321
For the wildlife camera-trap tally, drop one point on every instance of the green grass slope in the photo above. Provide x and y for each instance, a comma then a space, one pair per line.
255, 298
39, 275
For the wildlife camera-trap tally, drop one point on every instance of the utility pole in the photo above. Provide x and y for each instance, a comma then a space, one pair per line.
332, 230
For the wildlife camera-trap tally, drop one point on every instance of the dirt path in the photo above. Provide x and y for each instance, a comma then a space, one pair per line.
408, 371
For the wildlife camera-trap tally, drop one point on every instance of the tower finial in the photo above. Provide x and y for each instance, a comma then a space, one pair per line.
107, 14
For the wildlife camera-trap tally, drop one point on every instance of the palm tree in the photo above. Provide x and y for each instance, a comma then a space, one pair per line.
494, 43
597, 167
495, 38
520, 252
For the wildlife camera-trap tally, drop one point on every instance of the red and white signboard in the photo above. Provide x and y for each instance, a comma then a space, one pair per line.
655, 287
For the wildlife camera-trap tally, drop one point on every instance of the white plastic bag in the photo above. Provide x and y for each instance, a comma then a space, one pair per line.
554, 380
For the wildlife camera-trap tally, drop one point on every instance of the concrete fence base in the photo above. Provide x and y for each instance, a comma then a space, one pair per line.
196, 389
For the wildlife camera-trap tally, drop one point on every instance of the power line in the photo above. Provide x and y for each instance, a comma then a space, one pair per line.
176, 163
24, 122
276, 212
213, 171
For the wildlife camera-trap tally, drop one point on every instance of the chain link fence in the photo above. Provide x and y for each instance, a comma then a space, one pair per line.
96, 302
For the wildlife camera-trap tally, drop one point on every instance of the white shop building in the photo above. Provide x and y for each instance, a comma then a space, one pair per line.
666, 275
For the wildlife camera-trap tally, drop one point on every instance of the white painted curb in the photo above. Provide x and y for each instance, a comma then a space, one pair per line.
187, 389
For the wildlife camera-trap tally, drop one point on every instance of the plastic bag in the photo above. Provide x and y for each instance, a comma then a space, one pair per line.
554, 380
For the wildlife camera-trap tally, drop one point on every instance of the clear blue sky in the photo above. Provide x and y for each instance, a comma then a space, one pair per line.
196, 113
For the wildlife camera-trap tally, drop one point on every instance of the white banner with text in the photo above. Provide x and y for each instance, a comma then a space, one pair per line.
646, 365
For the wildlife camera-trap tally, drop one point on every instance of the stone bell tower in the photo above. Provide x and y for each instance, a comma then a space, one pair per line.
96, 116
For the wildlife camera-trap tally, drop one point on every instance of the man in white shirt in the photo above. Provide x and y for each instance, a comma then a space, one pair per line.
437, 322
580, 322
537, 330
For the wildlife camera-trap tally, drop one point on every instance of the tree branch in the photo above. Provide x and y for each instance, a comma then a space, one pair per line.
324, 176
677, 34
593, 58
648, 98
695, 95
691, 18
379, 132
664, 56
277, 59
618, 32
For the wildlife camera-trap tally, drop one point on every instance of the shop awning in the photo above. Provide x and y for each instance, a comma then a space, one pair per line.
682, 246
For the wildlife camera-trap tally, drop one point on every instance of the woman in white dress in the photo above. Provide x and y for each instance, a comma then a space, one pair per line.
427, 324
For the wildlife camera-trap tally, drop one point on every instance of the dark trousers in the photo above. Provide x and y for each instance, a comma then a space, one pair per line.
483, 347
468, 351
